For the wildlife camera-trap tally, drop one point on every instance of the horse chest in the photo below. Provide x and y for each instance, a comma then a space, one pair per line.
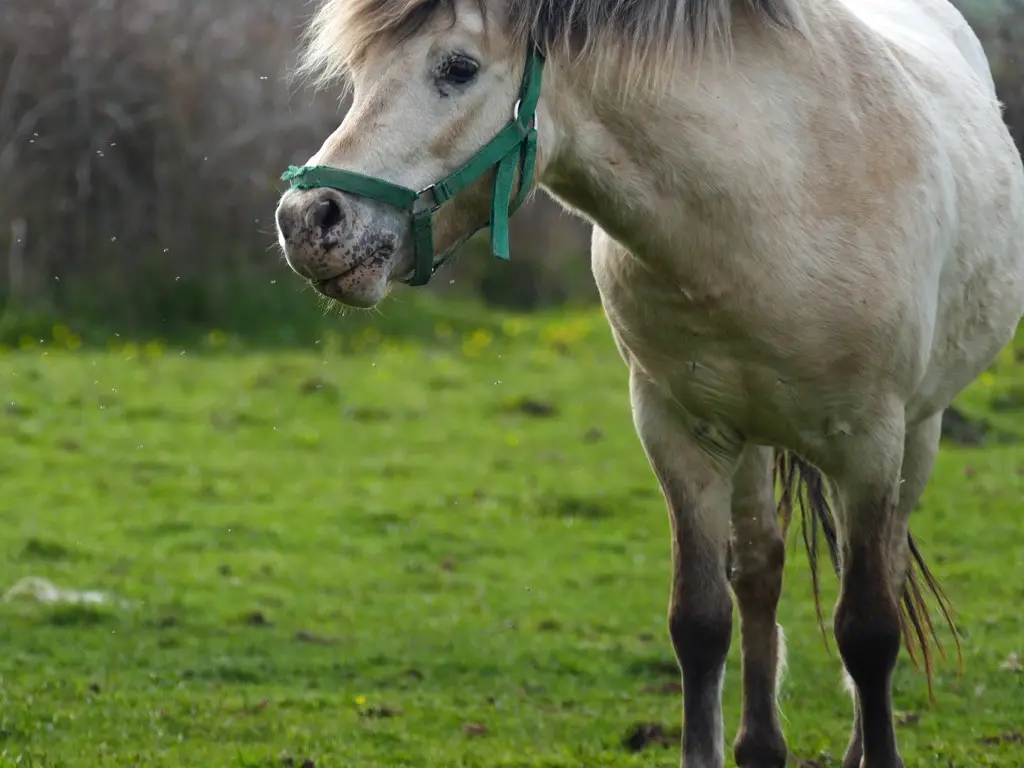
687, 350
711, 361
724, 389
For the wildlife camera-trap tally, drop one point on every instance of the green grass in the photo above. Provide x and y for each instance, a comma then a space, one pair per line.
443, 554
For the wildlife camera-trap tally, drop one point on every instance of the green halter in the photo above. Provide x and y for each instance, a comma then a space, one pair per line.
516, 142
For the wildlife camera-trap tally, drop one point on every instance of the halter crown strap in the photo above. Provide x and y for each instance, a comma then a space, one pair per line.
514, 146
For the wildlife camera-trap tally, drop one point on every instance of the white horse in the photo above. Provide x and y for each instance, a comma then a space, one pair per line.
808, 238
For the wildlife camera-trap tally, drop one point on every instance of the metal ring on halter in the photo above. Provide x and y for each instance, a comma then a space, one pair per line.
515, 115
432, 189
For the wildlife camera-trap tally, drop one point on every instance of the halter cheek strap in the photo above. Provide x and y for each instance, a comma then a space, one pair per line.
514, 146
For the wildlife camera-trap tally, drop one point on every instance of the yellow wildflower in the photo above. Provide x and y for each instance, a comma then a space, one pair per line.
479, 340
153, 348
216, 338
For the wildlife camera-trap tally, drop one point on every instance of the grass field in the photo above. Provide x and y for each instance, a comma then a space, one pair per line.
435, 554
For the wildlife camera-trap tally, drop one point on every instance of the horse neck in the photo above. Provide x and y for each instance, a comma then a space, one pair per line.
635, 161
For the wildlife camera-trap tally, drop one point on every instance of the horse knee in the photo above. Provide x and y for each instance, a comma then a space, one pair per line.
867, 623
757, 575
701, 633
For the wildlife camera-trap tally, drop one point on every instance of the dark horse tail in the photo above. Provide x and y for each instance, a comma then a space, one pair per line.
804, 487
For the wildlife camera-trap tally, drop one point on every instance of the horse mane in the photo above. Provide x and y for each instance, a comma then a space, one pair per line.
643, 39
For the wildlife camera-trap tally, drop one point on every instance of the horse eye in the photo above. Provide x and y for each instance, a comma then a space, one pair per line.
459, 70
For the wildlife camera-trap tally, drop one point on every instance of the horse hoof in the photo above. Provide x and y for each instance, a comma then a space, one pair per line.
769, 751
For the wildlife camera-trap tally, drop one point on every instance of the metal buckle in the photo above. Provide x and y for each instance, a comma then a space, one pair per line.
520, 126
432, 189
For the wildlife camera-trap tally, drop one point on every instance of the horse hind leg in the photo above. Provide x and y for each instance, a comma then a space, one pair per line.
694, 475
759, 553
921, 445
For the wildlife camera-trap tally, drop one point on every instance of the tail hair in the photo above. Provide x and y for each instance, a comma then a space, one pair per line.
805, 488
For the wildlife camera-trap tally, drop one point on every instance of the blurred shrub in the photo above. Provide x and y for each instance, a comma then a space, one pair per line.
140, 141
140, 145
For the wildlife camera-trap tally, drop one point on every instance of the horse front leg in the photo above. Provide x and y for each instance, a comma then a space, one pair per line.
759, 554
920, 447
874, 554
693, 463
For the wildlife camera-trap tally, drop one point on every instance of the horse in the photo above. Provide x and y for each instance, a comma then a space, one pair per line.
808, 238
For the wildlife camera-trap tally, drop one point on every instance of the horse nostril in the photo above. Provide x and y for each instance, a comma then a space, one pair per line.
285, 223
326, 213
